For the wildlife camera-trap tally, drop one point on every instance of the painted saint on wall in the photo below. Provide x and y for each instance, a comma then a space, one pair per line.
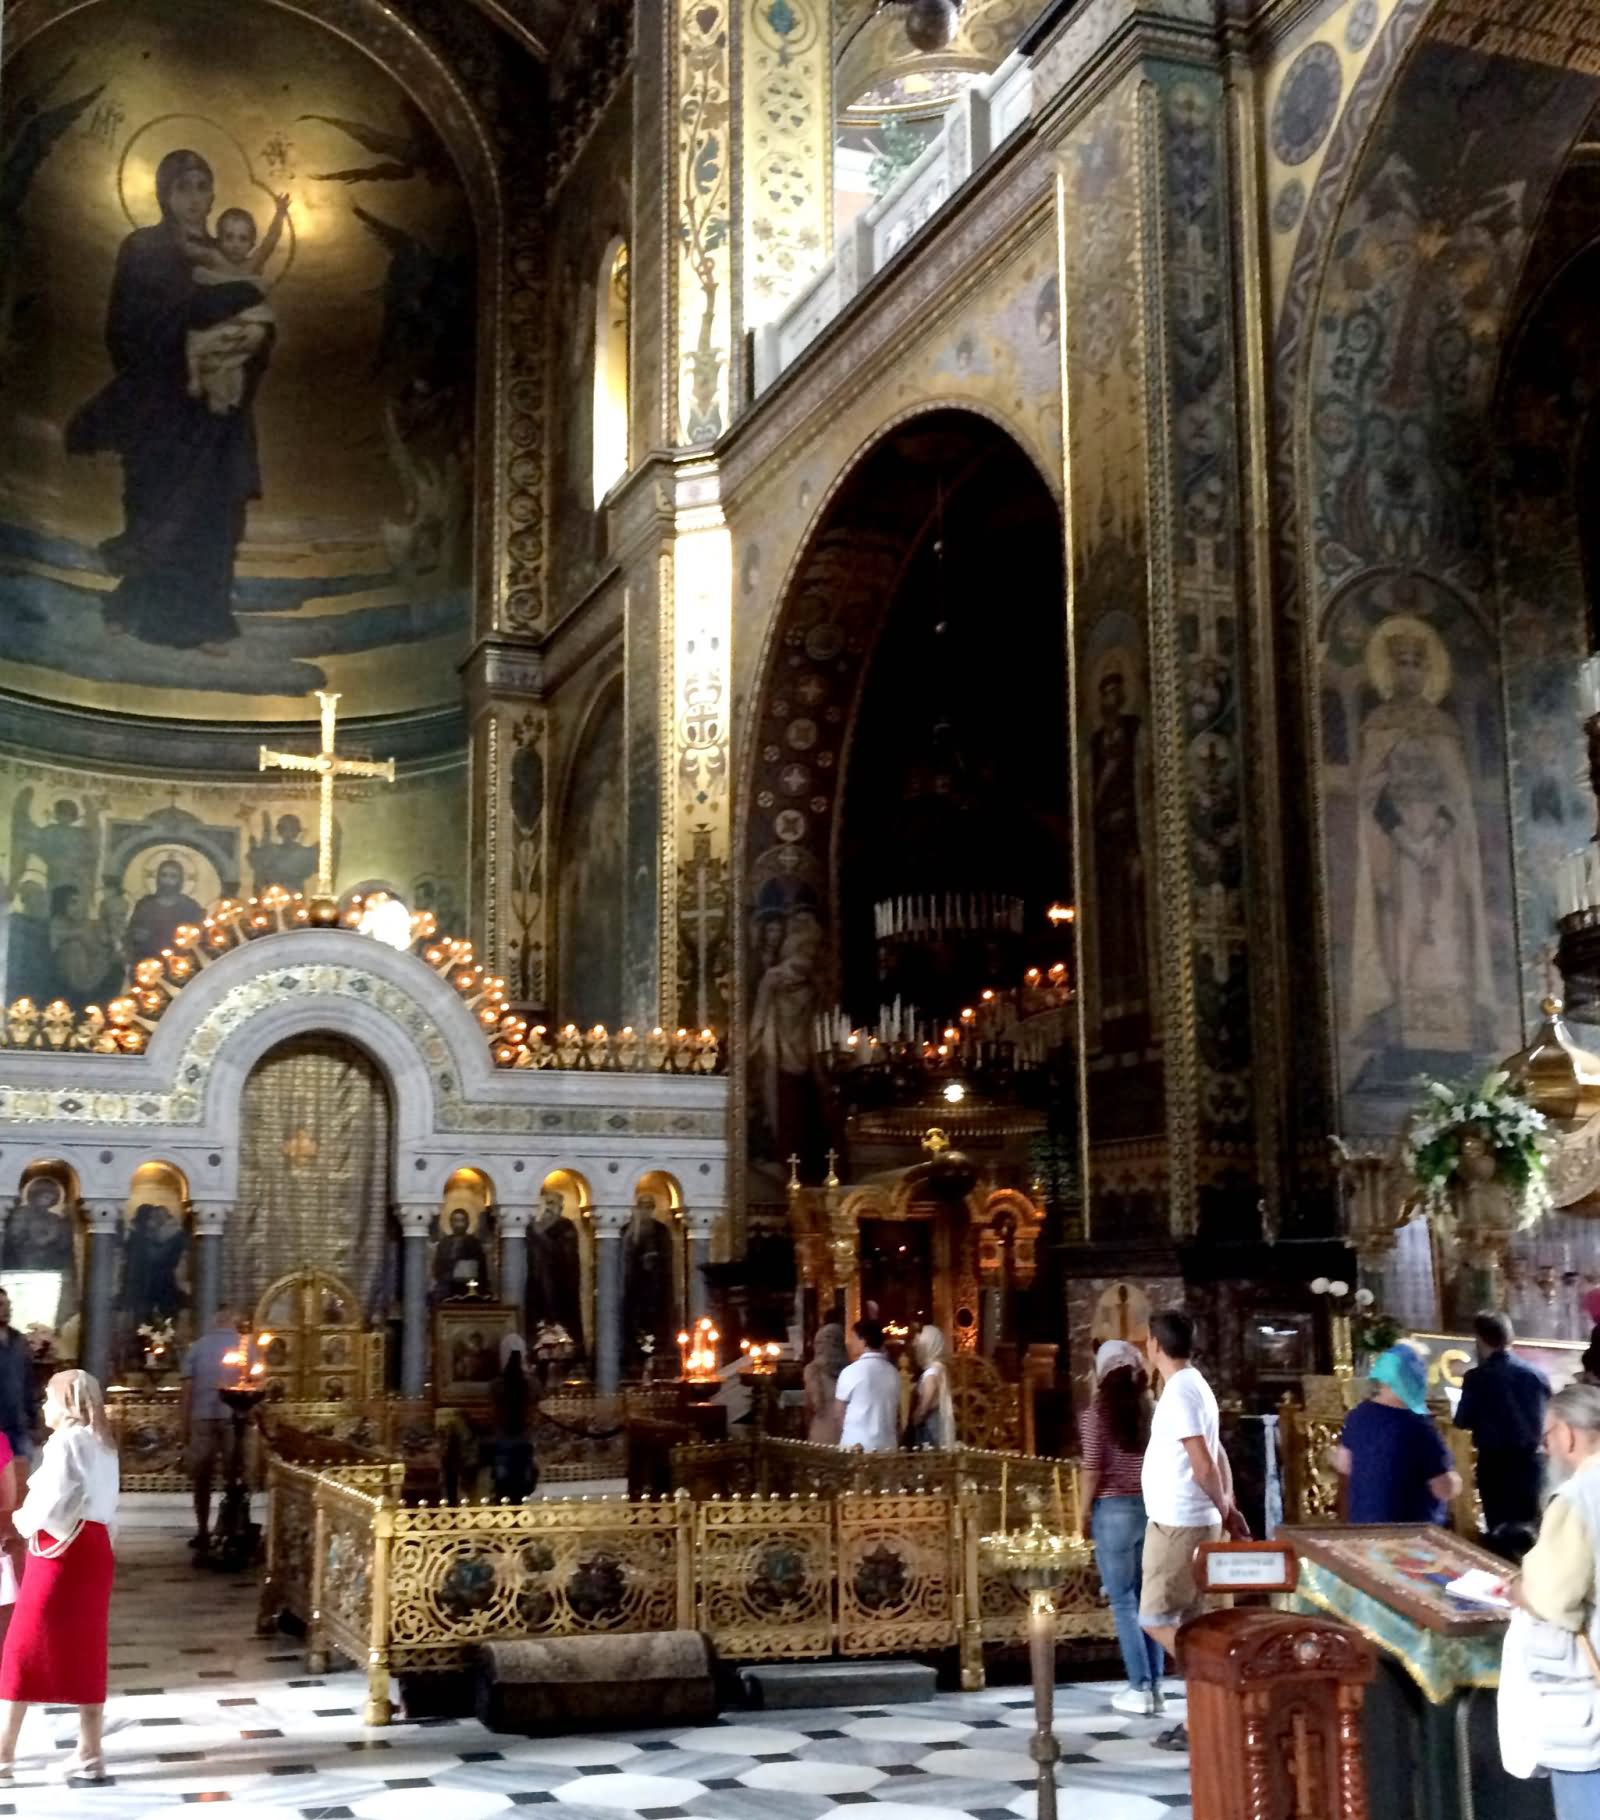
1422, 959
38, 1236
650, 1289
555, 1272
156, 918
1418, 858
236, 368
460, 1259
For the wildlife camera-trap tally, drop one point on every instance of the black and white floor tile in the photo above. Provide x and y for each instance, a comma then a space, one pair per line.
202, 1711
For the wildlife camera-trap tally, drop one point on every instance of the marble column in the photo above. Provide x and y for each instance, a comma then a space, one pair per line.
208, 1235
514, 1223
103, 1221
610, 1230
698, 1226
416, 1223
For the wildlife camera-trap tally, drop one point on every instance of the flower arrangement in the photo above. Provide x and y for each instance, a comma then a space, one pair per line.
1491, 1118
158, 1339
1371, 1330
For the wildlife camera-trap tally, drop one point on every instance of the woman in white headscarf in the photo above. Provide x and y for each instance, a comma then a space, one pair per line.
55, 1650
933, 1416
821, 1376
1114, 1433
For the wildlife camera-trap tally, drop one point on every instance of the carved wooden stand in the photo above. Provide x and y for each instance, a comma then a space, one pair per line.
1275, 1716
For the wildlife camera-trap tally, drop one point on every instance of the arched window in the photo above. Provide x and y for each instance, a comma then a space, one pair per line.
611, 370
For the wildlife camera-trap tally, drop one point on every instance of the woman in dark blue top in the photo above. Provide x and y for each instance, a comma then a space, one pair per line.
1395, 1460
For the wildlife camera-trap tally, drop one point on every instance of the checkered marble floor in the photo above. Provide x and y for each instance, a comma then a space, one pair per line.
202, 1711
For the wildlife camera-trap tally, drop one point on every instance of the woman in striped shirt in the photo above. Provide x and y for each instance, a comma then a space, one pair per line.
1114, 1431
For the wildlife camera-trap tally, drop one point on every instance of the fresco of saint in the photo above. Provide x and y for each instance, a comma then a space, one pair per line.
1421, 947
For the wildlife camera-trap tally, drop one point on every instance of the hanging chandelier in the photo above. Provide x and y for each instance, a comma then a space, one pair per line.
930, 24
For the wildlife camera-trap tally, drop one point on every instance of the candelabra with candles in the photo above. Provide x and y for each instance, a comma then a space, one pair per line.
761, 1358
1036, 1560
697, 1351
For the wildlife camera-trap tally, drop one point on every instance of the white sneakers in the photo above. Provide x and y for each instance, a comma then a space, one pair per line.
1136, 1700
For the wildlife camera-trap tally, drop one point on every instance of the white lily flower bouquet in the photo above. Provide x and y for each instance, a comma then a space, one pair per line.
1509, 1129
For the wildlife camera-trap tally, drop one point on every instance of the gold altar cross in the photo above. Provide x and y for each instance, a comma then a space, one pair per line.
328, 768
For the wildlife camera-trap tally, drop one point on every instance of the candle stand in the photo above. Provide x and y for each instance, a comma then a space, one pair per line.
1036, 1560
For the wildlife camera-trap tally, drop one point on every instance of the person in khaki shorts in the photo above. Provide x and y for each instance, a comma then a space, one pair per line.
1188, 1490
206, 1419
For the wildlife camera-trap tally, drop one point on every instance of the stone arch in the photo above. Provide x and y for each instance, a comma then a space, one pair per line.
834, 602
424, 1041
659, 1183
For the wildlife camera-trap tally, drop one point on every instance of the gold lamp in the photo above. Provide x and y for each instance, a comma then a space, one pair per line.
1560, 1080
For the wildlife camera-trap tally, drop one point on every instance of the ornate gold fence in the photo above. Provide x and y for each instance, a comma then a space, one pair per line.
460, 1574
150, 1439
899, 1567
766, 1576
412, 1588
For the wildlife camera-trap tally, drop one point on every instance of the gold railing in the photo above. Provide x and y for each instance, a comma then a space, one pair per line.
147, 1427
1308, 1437
856, 1571
777, 1467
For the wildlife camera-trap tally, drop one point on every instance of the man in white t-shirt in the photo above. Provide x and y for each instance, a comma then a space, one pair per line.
1188, 1489
868, 1391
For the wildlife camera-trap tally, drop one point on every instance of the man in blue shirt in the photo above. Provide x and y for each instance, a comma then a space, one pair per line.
1502, 1407
207, 1420
19, 1401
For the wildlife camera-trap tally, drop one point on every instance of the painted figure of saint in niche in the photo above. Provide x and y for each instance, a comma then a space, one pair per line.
1420, 960
156, 918
190, 336
650, 1293
158, 1247
460, 1261
782, 1019
555, 1272
38, 1236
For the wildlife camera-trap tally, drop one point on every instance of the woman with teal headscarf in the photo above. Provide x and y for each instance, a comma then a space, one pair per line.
1395, 1461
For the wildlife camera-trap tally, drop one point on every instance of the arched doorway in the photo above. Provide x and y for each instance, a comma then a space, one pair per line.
907, 803
314, 1174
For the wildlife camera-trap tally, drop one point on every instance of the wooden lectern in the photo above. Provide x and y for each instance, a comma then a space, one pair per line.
1275, 1716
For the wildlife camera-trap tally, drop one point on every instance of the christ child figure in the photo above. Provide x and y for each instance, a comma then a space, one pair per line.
217, 356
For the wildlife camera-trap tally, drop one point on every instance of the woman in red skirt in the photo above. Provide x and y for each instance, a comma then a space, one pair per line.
55, 1650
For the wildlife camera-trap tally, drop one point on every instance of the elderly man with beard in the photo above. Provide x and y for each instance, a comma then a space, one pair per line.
1550, 1671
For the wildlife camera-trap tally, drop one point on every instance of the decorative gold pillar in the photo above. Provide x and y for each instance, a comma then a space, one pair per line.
696, 945
1157, 610
699, 81
510, 828
783, 182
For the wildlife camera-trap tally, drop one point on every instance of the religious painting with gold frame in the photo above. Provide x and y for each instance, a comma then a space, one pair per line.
1450, 1356
466, 1348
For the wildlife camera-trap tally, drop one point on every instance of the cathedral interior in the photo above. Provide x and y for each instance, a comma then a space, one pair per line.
676, 668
